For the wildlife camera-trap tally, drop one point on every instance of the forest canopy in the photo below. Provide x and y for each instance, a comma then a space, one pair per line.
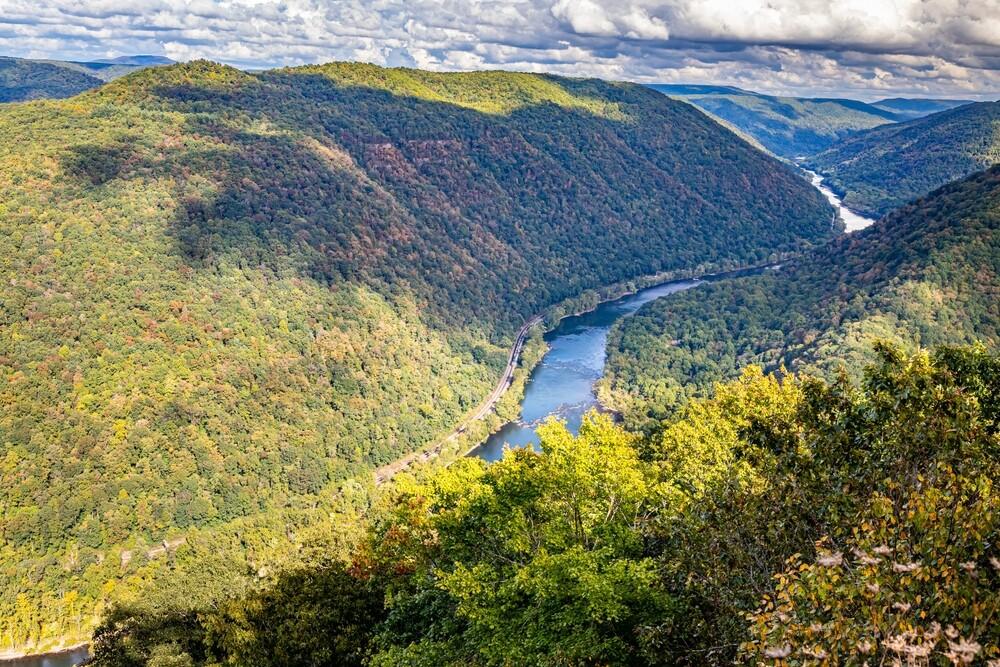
22, 80
879, 169
791, 521
926, 274
228, 296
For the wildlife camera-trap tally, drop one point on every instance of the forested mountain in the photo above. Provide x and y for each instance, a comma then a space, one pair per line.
227, 296
787, 126
780, 523
109, 69
31, 80
880, 169
22, 79
910, 108
927, 274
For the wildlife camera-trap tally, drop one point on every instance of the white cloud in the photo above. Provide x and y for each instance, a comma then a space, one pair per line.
862, 48
584, 17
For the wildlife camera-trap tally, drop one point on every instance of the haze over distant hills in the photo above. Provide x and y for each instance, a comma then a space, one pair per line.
798, 126
881, 168
24, 79
136, 60
916, 107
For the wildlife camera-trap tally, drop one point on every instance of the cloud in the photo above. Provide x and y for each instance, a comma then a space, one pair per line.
584, 17
860, 48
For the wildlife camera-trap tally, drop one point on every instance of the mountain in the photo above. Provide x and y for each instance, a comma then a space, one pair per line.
22, 80
796, 518
112, 68
227, 296
885, 167
787, 126
927, 274
911, 108
138, 61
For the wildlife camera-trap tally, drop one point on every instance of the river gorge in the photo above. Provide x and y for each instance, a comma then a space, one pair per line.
563, 383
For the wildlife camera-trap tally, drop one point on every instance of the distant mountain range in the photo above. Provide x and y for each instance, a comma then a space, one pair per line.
22, 79
910, 108
878, 169
794, 127
138, 61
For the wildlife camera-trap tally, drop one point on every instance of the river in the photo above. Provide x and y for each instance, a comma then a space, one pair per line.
562, 384
852, 221
63, 659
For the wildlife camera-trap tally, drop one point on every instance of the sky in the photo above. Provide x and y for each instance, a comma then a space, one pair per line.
865, 49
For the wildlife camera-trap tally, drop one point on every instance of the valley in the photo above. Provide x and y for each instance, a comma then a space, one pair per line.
564, 383
793, 127
882, 168
224, 310
379, 366
924, 275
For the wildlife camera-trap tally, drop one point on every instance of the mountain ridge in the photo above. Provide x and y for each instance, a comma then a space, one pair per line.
787, 126
24, 79
879, 169
795, 127
229, 296
926, 274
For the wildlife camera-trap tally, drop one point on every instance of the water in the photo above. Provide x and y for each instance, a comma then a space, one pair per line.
65, 659
853, 222
563, 383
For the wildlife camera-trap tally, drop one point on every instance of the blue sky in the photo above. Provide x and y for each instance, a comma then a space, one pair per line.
858, 48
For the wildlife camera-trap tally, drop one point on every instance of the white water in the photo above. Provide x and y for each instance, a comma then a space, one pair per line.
852, 221
563, 383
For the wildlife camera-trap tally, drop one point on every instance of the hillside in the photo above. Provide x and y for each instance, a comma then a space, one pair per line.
927, 274
787, 126
22, 80
880, 169
779, 523
228, 296
110, 69
911, 108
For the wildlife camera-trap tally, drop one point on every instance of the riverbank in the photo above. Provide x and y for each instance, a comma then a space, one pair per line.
609, 296
58, 656
853, 220
571, 397
388, 471
450, 446
565, 383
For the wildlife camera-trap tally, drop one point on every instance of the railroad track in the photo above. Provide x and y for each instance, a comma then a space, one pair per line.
388, 471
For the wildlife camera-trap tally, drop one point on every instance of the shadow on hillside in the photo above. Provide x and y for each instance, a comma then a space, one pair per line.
99, 164
480, 216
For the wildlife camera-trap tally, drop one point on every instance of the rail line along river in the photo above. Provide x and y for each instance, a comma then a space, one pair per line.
562, 385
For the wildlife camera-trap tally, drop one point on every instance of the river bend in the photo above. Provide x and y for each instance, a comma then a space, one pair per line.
563, 383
